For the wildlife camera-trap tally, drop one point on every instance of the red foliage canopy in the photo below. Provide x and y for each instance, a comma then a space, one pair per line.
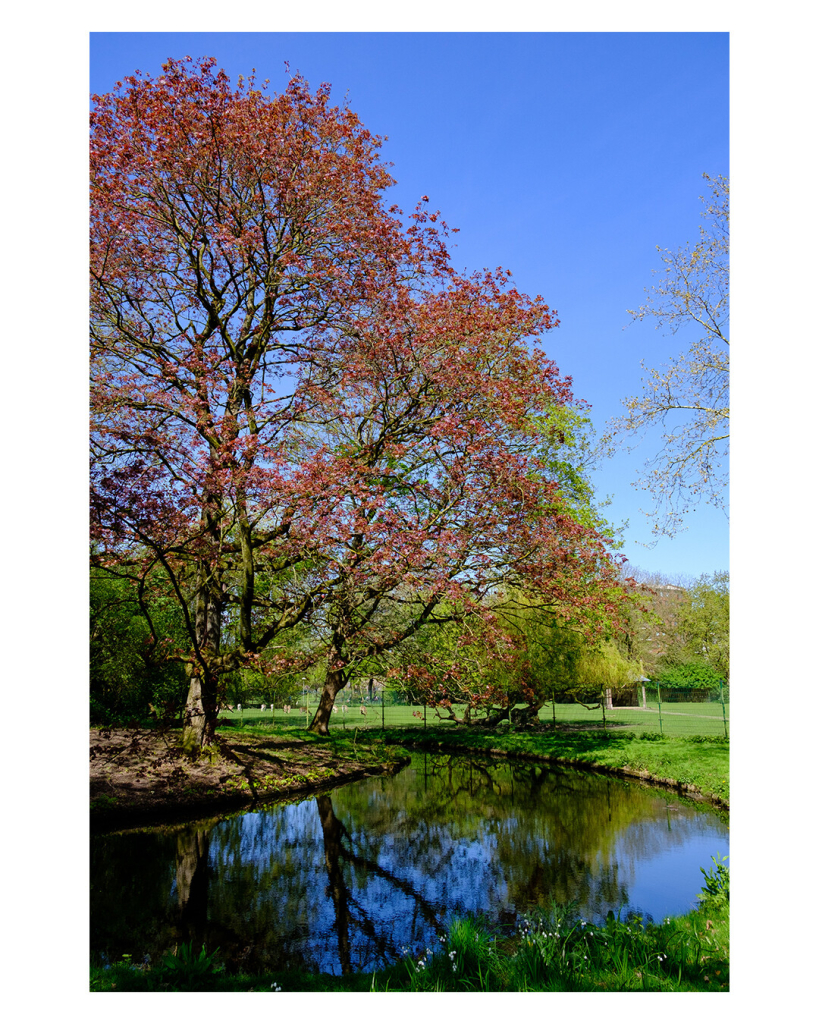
298, 409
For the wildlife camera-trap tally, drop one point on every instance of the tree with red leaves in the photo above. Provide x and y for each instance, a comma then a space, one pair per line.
229, 231
299, 412
441, 481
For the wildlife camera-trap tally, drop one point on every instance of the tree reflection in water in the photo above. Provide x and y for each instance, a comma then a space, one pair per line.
349, 910
344, 882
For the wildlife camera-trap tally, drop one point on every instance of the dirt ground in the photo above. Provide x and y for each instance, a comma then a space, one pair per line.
140, 777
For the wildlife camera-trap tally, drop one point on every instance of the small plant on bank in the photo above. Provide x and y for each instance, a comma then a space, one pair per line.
188, 971
103, 802
715, 894
464, 960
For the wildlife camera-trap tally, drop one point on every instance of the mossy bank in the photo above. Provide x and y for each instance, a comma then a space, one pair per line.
140, 777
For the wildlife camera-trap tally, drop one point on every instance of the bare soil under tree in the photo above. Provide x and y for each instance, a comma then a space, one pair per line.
140, 777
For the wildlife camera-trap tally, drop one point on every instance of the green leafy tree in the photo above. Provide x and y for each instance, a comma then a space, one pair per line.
527, 653
557, 660
680, 628
131, 630
693, 675
604, 668
704, 624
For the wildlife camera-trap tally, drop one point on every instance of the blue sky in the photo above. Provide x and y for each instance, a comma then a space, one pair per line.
566, 157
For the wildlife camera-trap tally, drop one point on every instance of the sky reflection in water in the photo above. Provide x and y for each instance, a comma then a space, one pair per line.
348, 880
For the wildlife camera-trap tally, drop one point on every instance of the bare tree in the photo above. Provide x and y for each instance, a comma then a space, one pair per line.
689, 395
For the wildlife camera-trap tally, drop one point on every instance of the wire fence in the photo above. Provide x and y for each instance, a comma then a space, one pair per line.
651, 708
669, 711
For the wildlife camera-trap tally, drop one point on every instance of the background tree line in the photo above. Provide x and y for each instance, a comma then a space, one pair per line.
676, 634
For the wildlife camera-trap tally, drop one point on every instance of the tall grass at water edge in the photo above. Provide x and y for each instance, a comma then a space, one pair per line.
553, 952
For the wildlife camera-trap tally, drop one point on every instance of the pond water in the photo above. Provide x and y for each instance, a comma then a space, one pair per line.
349, 880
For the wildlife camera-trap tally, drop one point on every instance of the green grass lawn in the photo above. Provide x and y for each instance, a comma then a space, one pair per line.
690, 760
671, 719
668, 719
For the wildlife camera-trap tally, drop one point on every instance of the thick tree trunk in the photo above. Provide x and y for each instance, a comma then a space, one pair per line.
333, 684
199, 726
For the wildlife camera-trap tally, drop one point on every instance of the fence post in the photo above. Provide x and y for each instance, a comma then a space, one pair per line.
425, 715
554, 711
603, 706
382, 711
722, 701
659, 709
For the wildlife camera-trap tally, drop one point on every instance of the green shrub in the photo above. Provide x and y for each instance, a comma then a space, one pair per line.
128, 671
690, 675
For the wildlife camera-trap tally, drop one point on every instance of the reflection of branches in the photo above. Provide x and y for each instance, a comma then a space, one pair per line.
535, 775
449, 763
368, 928
560, 875
484, 776
403, 886
335, 831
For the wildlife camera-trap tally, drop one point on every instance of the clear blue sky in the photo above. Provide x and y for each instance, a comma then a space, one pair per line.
566, 157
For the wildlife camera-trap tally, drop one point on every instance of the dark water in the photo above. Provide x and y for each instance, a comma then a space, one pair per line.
348, 880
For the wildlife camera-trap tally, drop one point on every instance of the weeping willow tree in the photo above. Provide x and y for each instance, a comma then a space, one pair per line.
605, 668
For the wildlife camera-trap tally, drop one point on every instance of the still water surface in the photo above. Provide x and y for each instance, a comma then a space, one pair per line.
349, 880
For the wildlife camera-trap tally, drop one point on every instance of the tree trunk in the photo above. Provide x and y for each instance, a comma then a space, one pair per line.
333, 684
199, 726
529, 714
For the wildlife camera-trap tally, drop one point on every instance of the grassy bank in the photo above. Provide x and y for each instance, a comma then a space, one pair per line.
698, 763
558, 952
